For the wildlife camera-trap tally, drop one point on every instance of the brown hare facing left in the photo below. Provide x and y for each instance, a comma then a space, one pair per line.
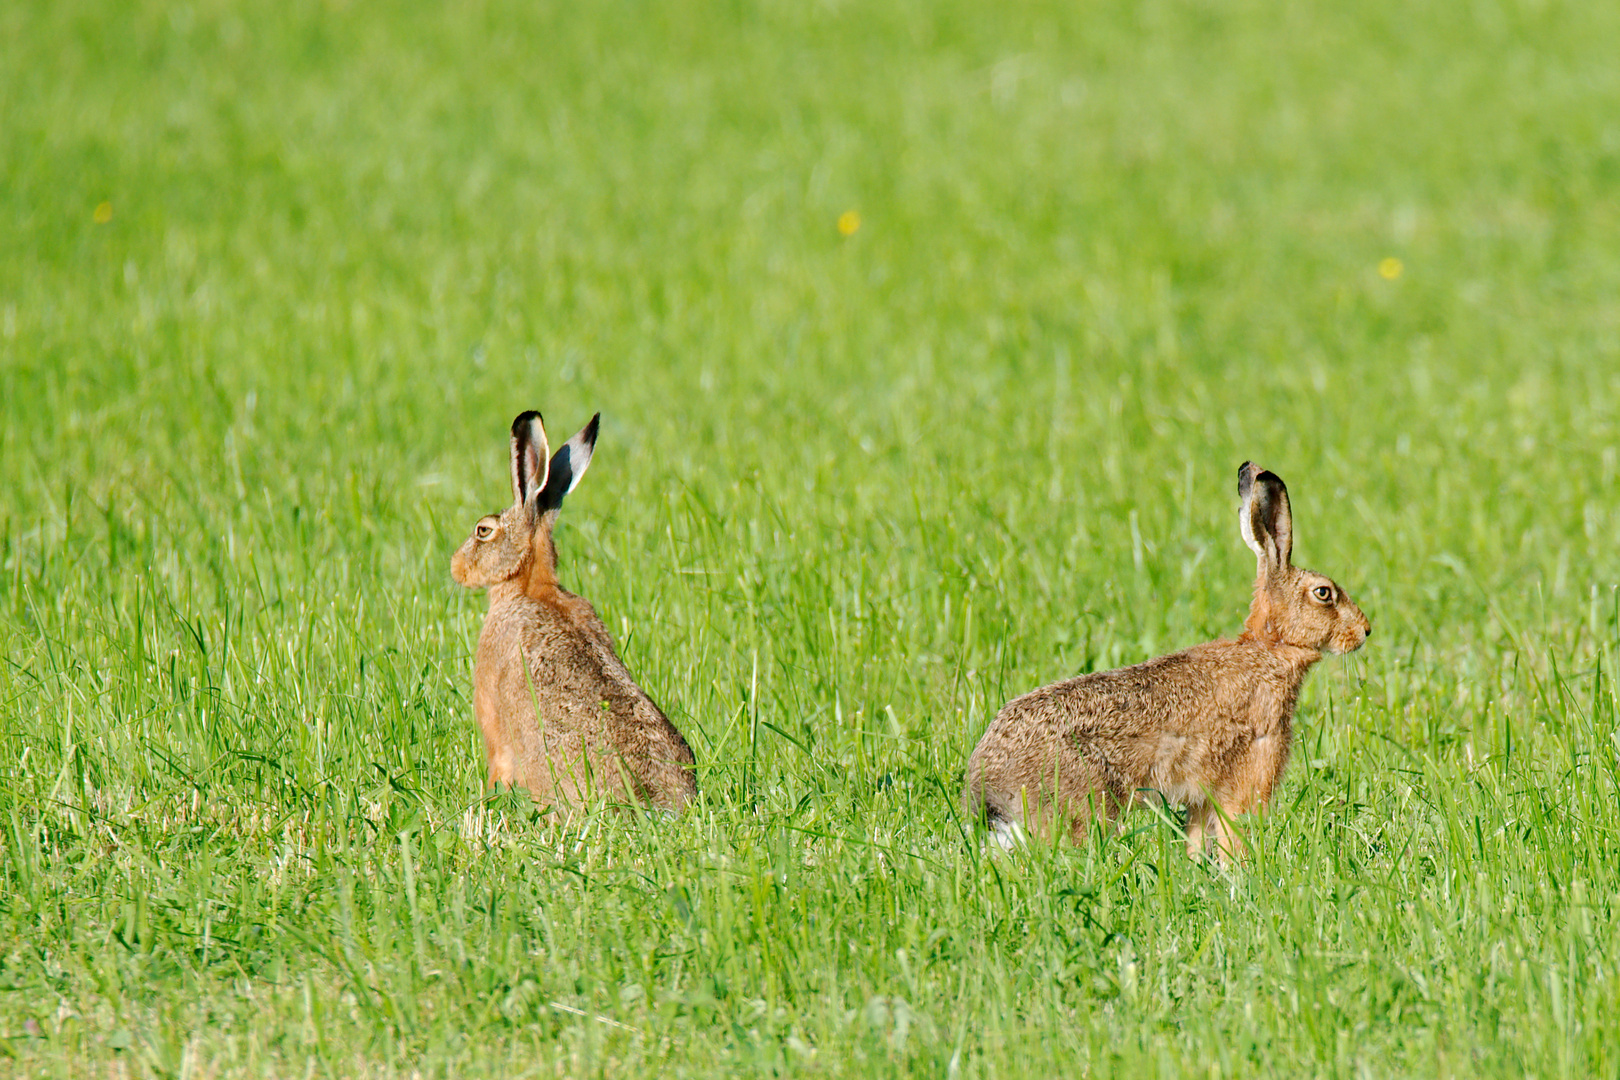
1207, 728
559, 712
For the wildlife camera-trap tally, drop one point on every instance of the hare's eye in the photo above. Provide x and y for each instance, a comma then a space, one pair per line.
484, 531
1323, 593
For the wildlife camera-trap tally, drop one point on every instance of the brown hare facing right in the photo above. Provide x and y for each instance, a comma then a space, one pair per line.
1208, 728
559, 712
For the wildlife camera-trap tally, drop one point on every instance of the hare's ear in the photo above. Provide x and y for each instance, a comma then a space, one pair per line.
569, 464
529, 451
1265, 519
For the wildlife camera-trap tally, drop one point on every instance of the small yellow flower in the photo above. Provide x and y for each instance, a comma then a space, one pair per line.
102, 214
848, 222
1389, 269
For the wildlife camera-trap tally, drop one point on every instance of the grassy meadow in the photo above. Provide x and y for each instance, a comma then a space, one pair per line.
274, 279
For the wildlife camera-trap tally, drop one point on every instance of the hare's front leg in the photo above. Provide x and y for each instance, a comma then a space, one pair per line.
502, 763
1207, 822
1229, 846
1197, 830
499, 756
502, 767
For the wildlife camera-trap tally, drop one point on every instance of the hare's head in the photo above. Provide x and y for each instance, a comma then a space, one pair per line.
515, 544
1291, 606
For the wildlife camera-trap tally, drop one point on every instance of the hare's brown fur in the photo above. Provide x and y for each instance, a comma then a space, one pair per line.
1207, 728
559, 712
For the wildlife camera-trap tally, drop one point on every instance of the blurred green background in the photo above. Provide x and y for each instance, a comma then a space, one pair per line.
274, 279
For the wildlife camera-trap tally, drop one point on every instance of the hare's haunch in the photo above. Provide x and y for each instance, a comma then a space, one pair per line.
1207, 728
559, 712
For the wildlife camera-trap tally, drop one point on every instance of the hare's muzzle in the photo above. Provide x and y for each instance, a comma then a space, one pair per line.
1353, 632
460, 567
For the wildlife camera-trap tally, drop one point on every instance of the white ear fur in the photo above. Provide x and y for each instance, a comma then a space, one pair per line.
569, 464
1246, 474
1247, 529
530, 456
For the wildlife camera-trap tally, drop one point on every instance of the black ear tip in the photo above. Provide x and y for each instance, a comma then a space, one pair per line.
1246, 473
520, 424
591, 428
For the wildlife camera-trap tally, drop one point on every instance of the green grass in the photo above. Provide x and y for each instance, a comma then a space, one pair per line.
851, 494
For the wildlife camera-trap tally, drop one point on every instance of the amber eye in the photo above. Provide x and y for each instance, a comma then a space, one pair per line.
484, 531
1323, 593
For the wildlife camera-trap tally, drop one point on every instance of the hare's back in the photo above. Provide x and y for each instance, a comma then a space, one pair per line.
1120, 699
1166, 706
580, 683
570, 666
571, 652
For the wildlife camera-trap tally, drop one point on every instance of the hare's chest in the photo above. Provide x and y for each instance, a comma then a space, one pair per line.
499, 681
